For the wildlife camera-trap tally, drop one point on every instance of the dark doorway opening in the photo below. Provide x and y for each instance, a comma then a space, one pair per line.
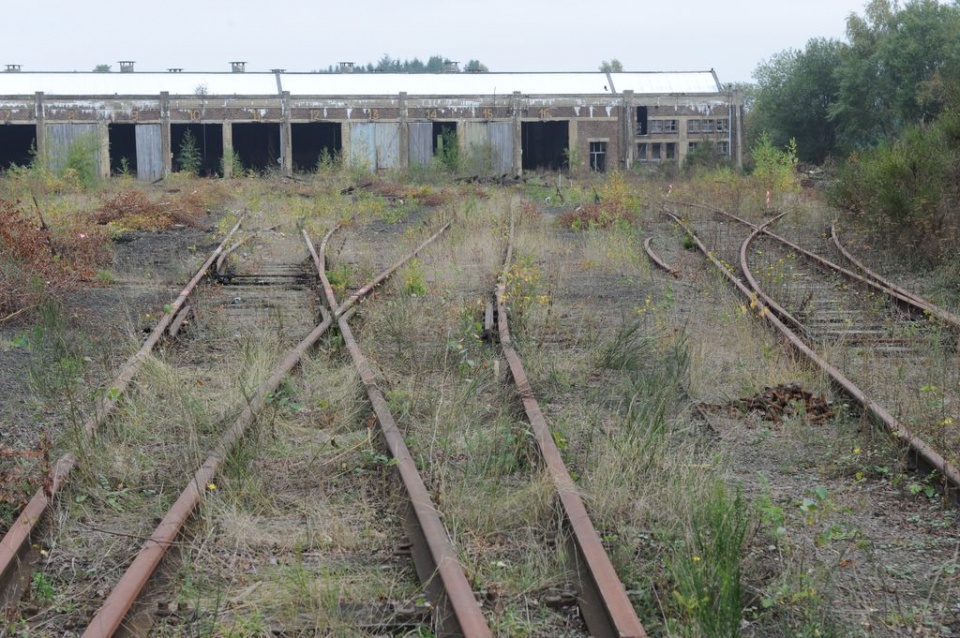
209, 142
443, 133
123, 149
18, 143
314, 142
257, 146
545, 145
641, 120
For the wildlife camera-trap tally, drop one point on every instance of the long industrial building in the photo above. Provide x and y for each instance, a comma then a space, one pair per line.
517, 122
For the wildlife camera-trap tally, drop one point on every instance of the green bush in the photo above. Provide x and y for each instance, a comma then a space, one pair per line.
189, 158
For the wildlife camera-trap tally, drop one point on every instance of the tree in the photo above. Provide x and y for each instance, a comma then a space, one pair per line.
891, 74
794, 95
474, 66
102, 68
613, 66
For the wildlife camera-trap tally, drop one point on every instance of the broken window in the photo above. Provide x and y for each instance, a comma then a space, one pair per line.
693, 126
642, 152
723, 148
598, 156
641, 120
691, 146
655, 152
670, 150
723, 125
663, 126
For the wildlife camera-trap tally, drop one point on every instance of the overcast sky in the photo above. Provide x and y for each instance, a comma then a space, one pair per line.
506, 35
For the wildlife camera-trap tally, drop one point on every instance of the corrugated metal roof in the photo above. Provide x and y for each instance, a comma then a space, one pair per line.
700, 82
358, 84
137, 83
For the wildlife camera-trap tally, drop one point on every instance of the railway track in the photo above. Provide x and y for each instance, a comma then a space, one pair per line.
893, 352
304, 502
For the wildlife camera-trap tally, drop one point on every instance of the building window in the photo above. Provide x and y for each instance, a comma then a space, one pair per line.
663, 126
641, 120
723, 126
642, 152
598, 156
707, 126
723, 148
693, 126
691, 147
655, 151
670, 150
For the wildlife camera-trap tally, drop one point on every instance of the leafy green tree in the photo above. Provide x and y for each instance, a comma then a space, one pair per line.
474, 66
613, 66
102, 68
891, 74
794, 95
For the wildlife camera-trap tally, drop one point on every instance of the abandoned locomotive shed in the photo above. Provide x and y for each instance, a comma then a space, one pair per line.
513, 122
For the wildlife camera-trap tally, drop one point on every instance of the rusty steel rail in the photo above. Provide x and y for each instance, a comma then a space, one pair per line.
906, 298
924, 454
16, 544
771, 303
110, 617
656, 258
602, 598
946, 315
436, 561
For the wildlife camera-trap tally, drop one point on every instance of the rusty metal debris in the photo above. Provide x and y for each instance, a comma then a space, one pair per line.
777, 403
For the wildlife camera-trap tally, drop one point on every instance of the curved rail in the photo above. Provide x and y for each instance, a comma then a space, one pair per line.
434, 556
871, 274
879, 285
924, 453
777, 308
16, 544
603, 600
656, 258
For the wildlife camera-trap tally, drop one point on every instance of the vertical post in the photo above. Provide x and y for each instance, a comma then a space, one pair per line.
404, 132
103, 132
228, 158
627, 116
286, 134
166, 143
41, 129
345, 143
517, 134
574, 152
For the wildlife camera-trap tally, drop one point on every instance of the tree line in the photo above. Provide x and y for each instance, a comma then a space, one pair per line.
899, 67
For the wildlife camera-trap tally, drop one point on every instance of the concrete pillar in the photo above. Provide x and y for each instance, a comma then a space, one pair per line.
517, 104
573, 146
166, 145
404, 132
103, 132
41, 128
286, 134
227, 149
345, 143
628, 138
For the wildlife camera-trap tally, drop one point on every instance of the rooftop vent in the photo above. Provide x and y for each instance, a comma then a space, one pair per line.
126, 66
13, 68
238, 67
346, 67
278, 70
175, 70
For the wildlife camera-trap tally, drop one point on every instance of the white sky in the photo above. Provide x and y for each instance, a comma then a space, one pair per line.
506, 35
